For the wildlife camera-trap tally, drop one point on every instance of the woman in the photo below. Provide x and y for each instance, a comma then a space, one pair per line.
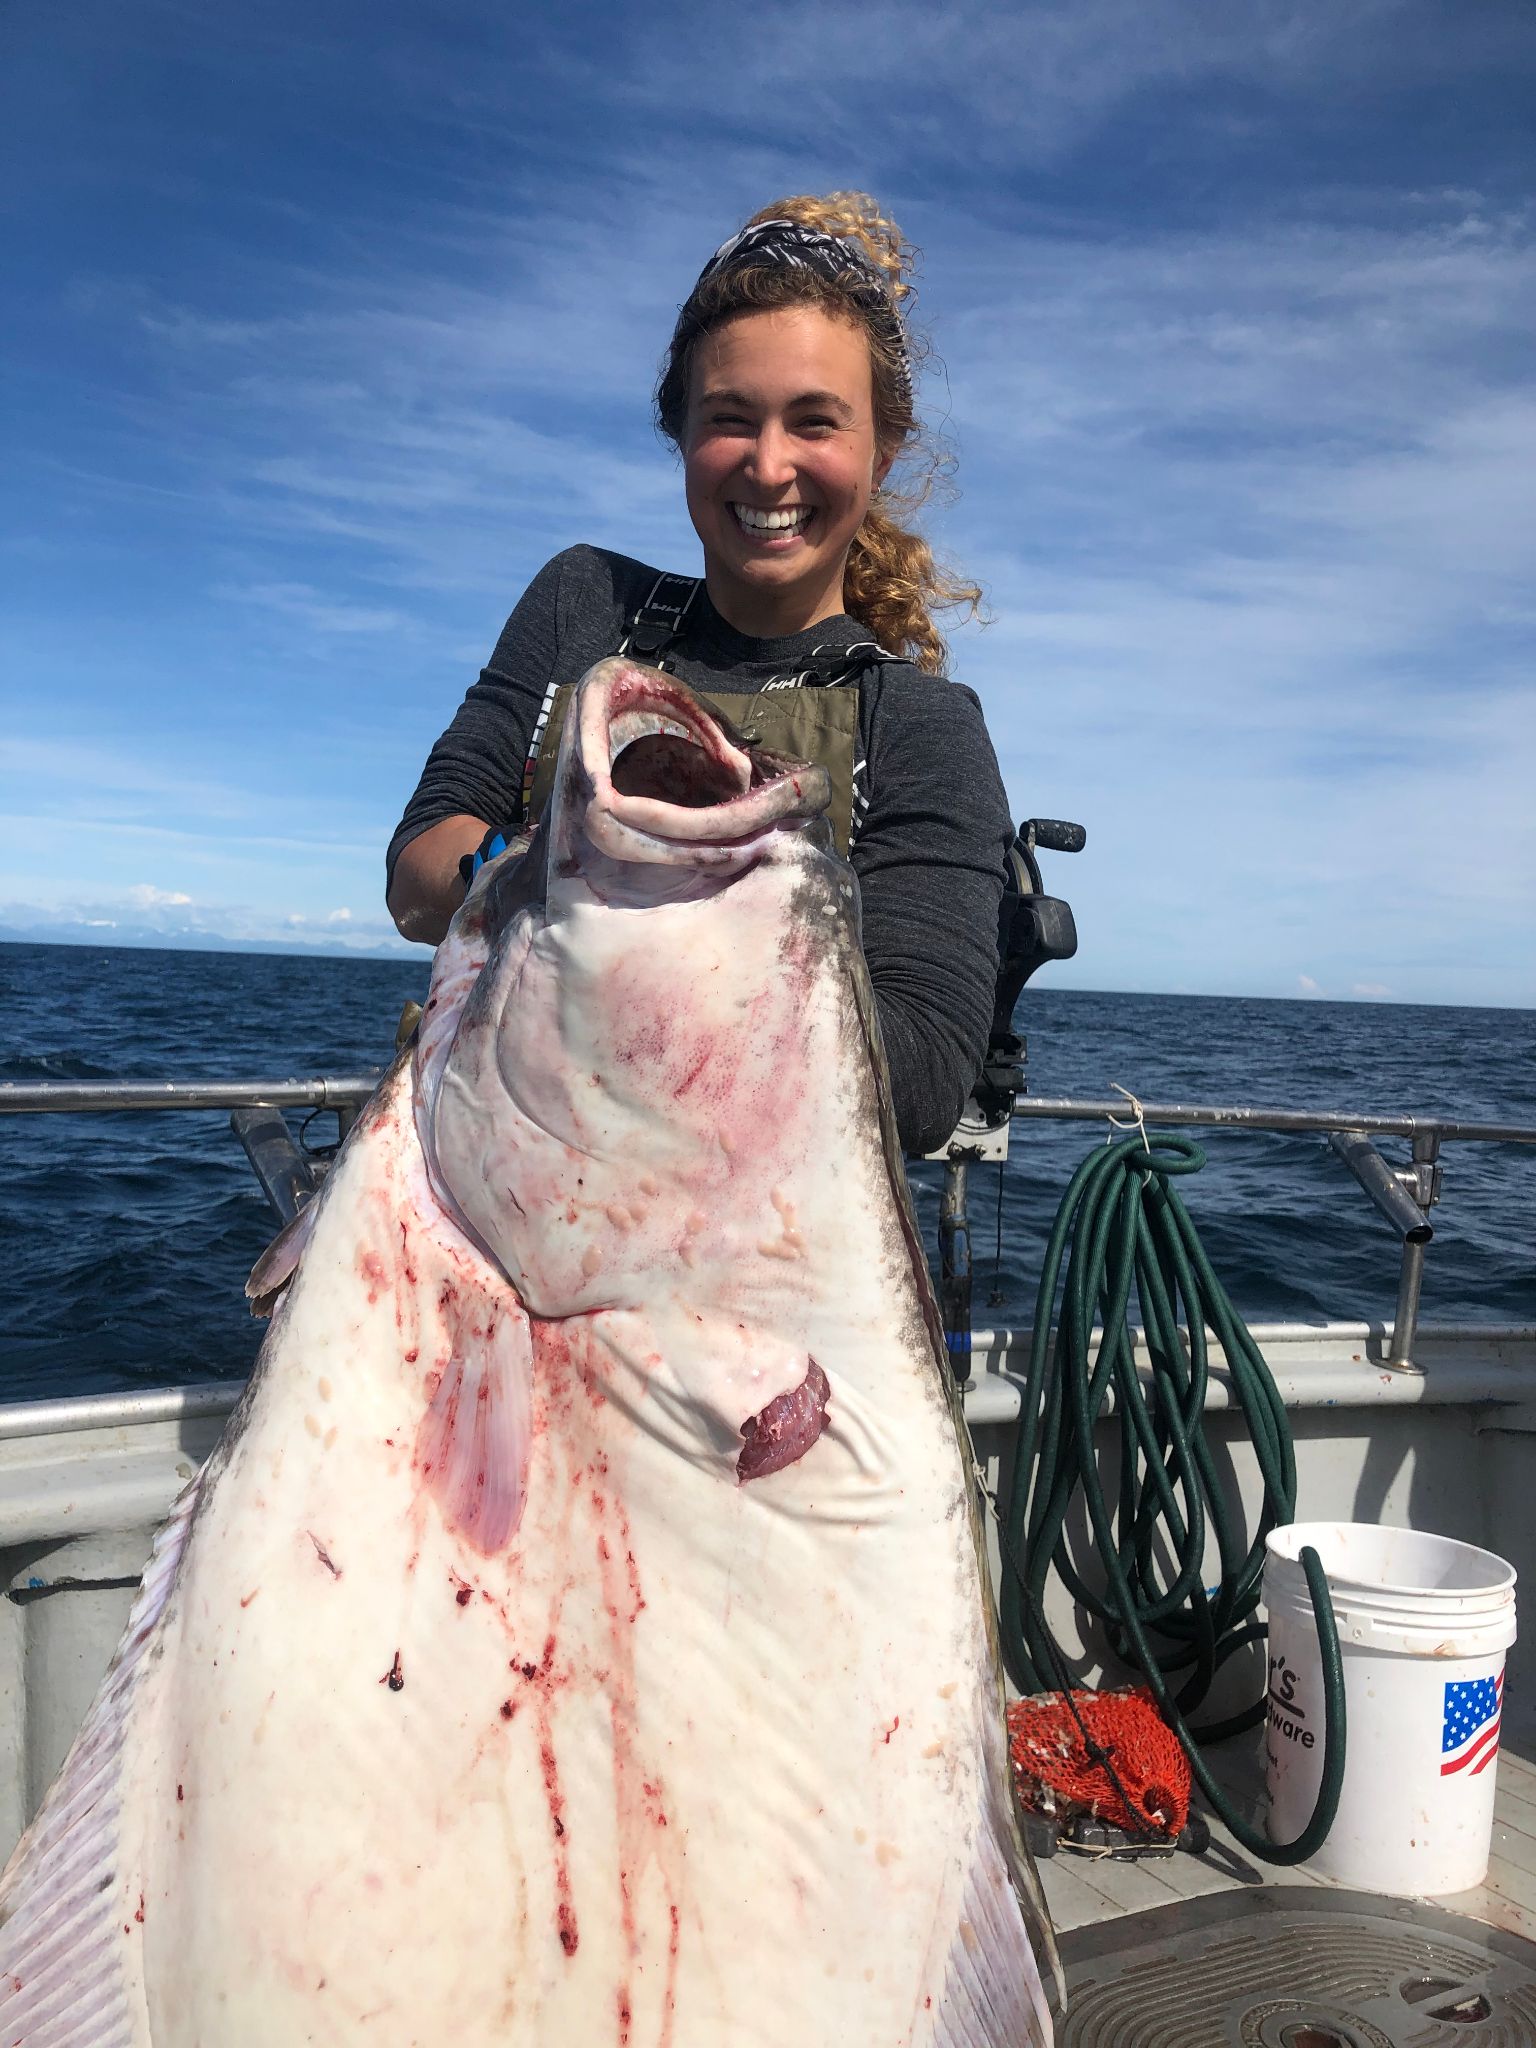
788, 391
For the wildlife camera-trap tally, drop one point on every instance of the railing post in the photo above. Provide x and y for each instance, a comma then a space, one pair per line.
1423, 1184
955, 1264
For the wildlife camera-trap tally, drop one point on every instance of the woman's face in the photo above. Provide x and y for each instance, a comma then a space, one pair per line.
779, 462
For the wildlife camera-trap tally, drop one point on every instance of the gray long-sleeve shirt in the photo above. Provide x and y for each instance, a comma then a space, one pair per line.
929, 853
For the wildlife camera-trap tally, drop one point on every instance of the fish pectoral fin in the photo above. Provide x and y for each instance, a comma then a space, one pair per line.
280, 1261
62, 1976
784, 1431
472, 1445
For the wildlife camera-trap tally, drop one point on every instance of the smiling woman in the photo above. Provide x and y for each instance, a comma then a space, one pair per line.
788, 390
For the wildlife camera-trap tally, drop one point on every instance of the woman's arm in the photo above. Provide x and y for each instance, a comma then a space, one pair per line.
426, 887
931, 860
474, 774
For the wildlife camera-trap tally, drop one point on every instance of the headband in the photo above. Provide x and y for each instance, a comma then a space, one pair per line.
784, 243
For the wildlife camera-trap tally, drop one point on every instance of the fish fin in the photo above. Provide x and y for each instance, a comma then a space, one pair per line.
280, 1261
472, 1443
62, 1979
784, 1431
993, 1996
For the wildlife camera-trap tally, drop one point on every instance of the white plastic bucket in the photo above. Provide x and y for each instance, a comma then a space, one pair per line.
1424, 1623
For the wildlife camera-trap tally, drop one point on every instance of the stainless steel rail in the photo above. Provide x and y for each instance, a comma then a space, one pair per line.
118, 1411
352, 1090
66, 1097
1403, 1195
1320, 1120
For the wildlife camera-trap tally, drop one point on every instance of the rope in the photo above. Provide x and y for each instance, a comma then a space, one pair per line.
1121, 1222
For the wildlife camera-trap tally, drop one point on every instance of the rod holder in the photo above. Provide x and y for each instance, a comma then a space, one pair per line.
1404, 1199
288, 1179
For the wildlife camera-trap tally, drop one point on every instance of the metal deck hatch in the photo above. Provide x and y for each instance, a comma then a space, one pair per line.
1293, 1967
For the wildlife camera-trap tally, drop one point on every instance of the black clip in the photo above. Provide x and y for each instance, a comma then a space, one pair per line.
659, 620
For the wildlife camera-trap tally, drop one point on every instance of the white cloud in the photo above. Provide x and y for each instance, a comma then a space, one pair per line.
1248, 478
178, 921
144, 896
1308, 987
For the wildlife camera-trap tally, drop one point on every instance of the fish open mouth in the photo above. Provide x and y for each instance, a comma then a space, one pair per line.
653, 753
670, 779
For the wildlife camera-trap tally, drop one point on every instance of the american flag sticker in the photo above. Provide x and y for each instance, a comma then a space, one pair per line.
1469, 1735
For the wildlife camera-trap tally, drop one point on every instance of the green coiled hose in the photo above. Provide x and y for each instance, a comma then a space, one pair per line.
1121, 1222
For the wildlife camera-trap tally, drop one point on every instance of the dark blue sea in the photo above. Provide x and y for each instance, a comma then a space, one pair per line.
127, 1238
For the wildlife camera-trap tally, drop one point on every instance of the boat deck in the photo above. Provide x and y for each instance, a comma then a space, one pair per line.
1083, 1890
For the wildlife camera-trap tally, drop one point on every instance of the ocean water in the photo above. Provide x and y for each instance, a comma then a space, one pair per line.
128, 1237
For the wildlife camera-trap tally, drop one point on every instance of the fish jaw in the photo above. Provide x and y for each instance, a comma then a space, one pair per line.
650, 777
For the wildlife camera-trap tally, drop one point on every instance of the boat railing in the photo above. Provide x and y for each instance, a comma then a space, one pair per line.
1404, 1195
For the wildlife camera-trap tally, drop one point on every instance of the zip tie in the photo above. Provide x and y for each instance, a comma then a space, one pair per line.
1138, 1114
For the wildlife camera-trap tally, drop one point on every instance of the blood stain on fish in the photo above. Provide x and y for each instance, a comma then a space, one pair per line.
394, 1677
373, 1272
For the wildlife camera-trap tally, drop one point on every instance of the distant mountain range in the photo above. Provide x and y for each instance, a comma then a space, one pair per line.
190, 940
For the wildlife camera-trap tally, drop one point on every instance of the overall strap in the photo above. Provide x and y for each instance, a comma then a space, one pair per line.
659, 621
830, 668
650, 628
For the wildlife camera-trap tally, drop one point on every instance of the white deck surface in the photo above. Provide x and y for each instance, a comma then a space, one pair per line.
1084, 1889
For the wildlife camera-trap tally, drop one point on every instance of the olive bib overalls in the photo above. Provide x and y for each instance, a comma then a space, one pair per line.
812, 715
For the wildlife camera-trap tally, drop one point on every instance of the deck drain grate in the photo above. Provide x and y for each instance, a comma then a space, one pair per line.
1286, 1967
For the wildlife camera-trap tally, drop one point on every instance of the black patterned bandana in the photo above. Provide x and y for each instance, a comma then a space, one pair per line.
784, 243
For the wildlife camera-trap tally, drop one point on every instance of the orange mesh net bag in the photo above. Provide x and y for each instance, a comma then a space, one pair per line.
1057, 1776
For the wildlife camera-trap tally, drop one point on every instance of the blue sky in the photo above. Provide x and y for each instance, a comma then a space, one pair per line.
327, 324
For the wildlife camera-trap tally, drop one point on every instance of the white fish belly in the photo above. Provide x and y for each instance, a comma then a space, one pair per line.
651, 1781
484, 1703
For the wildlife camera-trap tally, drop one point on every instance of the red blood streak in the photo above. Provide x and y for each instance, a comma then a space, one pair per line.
464, 1595
373, 1272
507, 1710
180, 1794
693, 1073
893, 1727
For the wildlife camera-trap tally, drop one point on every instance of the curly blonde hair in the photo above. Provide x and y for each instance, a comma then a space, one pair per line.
892, 584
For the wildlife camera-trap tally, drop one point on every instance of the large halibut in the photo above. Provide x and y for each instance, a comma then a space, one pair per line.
580, 1635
